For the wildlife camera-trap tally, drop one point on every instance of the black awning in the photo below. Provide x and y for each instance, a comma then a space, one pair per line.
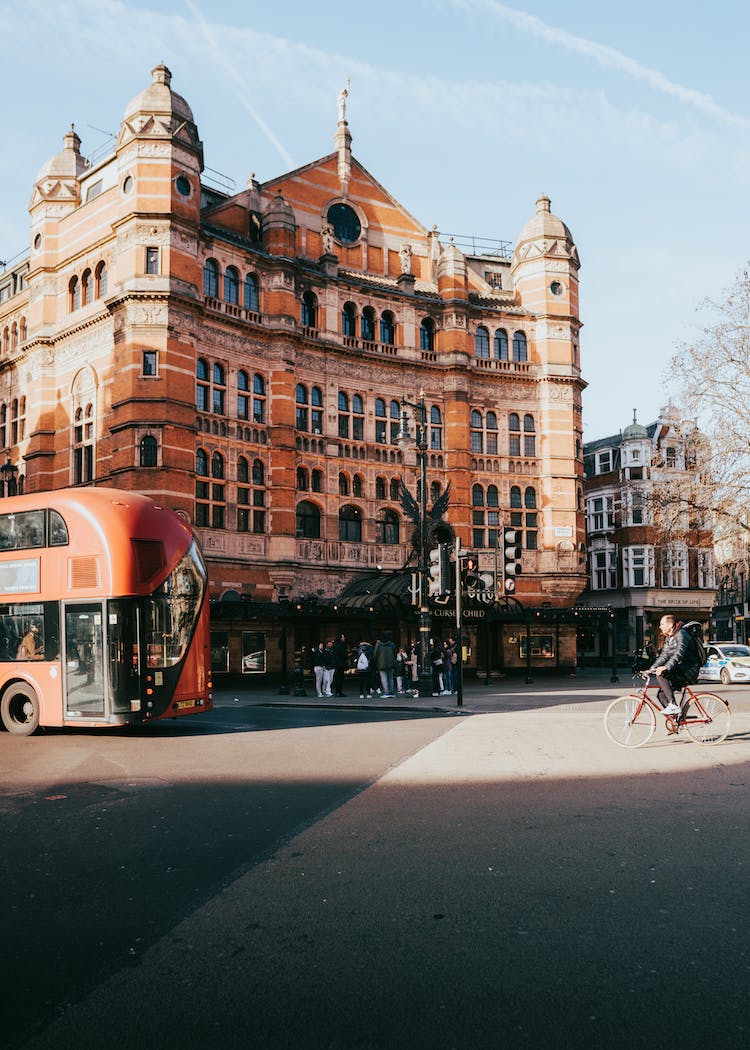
386, 592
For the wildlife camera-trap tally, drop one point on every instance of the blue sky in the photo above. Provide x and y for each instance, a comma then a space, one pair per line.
632, 118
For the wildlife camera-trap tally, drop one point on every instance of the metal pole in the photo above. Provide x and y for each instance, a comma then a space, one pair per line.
459, 632
425, 621
613, 677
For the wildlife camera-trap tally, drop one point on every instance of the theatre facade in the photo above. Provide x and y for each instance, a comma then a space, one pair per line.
245, 358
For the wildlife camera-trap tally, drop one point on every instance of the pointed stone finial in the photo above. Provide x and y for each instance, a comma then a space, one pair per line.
543, 204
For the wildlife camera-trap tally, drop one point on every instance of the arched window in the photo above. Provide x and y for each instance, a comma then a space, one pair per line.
349, 320
14, 341
368, 323
436, 428
317, 480
482, 342
520, 351
343, 485
395, 489
74, 294
515, 497
514, 435
477, 432
201, 463
14, 421
387, 527
302, 421
3, 424
387, 328
219, 393
252, 293
350, 525
259, 472
395, 413
358, 418
379, 487
101, 280
149, 449
308, 521
232, 286
490, 423
477, 496
259, 399
343, 406
87, 287
6, 341
529, 438
529, 499
316, 416
357, 486
493, 497
217, 465
243, 471
303, 480
202, 385
23, 330
309, 310
211, 279
381, 435
500, 344
243, 392
427, 334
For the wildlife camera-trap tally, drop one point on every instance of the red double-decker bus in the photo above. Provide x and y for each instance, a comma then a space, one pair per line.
103, 611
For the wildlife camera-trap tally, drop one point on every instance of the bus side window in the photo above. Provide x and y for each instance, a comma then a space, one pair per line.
58, 530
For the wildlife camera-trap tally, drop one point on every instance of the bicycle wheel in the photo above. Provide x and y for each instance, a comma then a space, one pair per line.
629, 721
707, 718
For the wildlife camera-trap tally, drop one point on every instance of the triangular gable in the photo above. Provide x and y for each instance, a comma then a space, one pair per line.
311, 187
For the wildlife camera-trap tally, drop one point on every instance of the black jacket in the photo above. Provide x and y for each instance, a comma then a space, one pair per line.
680, 654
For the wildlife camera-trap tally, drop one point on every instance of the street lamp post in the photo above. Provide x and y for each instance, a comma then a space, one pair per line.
8, 473
406, 440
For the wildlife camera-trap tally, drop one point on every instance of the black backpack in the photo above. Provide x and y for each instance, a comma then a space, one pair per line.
695, 631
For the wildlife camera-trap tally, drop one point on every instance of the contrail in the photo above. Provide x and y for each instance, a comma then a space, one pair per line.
224, 62
607, 57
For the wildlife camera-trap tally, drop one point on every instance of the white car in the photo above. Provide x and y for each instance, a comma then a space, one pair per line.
726, 662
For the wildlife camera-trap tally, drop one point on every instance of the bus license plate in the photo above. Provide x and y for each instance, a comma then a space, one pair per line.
184, 703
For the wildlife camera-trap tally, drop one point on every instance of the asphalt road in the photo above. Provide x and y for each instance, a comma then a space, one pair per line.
509, 879
109, 839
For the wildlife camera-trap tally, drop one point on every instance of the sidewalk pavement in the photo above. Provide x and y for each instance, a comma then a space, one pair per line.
586, 687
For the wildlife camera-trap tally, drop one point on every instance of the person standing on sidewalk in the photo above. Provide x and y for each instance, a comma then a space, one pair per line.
401, 670
340, 662
330, 666
450, 669
438, 665
364, 669
319, 666
384, 658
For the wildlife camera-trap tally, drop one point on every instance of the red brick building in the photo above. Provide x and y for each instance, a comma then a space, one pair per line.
242, 357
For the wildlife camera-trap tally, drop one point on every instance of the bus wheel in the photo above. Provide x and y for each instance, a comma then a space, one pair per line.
20, 710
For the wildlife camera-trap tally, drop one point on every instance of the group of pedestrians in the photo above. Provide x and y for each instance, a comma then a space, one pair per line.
329, 663
382, 669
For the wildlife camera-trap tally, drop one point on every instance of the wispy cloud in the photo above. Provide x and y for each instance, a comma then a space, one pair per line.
224, 61
606, 57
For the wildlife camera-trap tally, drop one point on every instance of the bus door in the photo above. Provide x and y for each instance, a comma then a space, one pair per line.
124, 655
85, 689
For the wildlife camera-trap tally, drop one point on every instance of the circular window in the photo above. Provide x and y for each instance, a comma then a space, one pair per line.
127, 184
38, 242
346, 226
556, 288
184, 187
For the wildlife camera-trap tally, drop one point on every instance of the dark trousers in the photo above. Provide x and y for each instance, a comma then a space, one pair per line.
338, 681
667, 684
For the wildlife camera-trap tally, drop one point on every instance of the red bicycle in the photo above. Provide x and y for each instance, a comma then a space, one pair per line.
630, 721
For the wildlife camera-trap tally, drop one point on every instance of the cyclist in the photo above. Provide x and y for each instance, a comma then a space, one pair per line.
677, 663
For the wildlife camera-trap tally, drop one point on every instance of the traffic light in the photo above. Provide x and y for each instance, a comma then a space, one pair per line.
436, 577
511, 559
470, 579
